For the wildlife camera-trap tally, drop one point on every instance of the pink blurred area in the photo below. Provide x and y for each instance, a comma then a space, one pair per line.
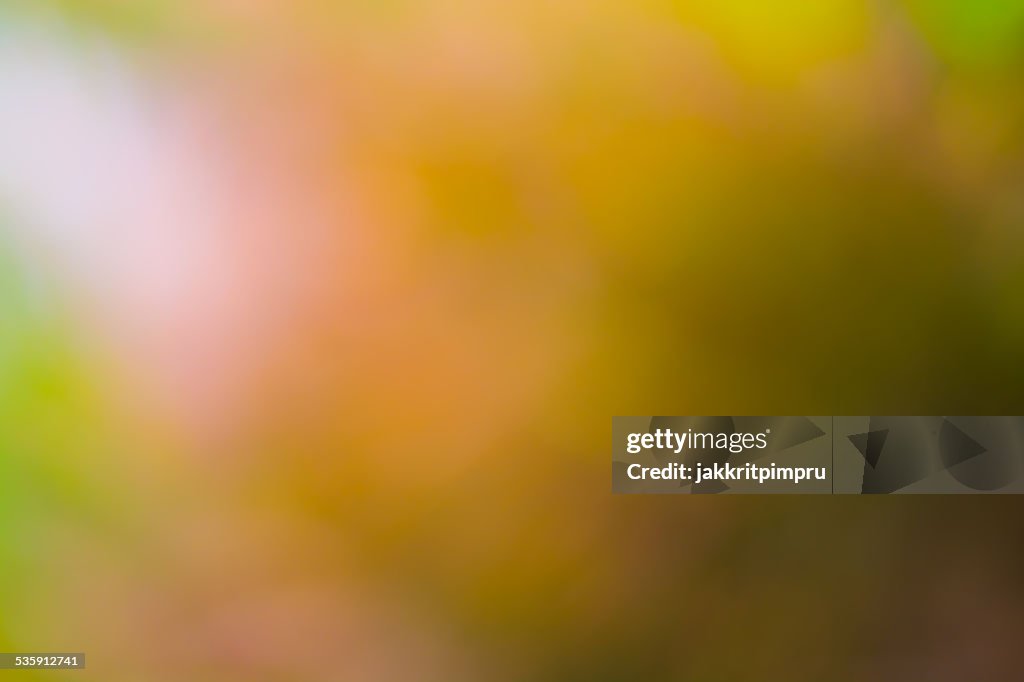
229, 226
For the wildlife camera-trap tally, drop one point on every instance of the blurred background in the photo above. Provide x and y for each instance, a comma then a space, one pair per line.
315, 315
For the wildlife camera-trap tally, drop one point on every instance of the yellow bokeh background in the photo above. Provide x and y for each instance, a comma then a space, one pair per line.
316, 315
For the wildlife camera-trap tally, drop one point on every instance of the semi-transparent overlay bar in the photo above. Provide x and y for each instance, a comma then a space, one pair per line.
822, 455
42, 661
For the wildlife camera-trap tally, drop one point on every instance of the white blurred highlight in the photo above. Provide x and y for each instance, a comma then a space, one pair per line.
115, 180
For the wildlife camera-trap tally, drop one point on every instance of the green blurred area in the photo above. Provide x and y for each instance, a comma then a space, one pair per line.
145, 19
40, 418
